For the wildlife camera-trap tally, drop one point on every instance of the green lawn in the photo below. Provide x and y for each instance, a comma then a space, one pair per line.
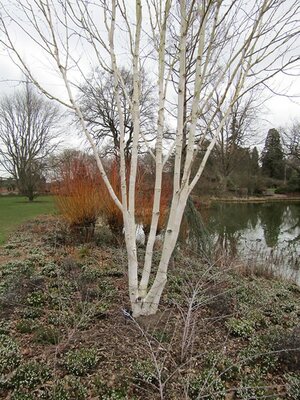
14, 210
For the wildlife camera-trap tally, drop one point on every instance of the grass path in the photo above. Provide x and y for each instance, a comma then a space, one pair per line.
14, 210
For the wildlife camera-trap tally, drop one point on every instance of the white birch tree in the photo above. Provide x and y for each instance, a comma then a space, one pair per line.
233, 46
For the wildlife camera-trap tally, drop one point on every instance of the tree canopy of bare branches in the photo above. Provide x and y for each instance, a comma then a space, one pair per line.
27, 131
291, 141
238, 129
232, 47
98, 104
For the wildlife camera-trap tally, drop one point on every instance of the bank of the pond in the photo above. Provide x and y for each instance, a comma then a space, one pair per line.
206, 201
264, 199
16, 209
222, 332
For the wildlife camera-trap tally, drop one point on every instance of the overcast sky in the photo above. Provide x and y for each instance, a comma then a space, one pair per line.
277, 110
280, 109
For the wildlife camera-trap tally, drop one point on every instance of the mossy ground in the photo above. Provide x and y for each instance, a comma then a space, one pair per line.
219, 334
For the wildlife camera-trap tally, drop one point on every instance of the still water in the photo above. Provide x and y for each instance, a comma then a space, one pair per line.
265, 233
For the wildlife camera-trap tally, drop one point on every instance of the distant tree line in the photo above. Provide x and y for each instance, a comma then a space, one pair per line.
29, 136
237, 169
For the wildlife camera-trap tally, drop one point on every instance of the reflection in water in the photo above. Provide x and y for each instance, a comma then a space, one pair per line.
253, 216
266, 233
271, 220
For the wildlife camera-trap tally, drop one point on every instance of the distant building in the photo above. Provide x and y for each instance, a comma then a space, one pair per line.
8, 186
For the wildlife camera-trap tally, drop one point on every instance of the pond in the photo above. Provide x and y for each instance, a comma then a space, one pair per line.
260, 233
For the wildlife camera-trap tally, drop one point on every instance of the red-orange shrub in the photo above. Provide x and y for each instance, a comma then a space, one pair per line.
111, 212
82, 196
144, 202
78, 192
144, 199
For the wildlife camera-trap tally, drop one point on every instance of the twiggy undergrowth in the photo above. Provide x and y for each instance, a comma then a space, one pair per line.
63, 335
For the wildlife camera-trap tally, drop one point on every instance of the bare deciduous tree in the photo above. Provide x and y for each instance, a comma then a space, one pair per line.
27, 131
291, 141
239, 128
97, 101
233, 47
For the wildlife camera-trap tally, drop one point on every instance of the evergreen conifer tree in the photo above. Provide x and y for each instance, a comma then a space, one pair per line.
272, 156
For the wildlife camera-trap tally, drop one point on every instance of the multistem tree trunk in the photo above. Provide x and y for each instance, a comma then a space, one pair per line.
227, 45
149, 304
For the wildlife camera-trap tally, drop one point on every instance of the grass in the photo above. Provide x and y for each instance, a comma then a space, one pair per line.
15, 210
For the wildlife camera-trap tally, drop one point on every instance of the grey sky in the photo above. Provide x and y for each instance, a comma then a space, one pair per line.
277, 111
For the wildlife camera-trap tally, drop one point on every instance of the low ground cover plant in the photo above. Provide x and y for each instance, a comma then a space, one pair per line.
64, 334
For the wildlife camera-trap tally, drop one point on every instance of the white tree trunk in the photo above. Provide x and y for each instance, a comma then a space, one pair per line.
149, 304
199, 33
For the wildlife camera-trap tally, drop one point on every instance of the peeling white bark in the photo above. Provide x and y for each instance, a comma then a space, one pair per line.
222, 61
